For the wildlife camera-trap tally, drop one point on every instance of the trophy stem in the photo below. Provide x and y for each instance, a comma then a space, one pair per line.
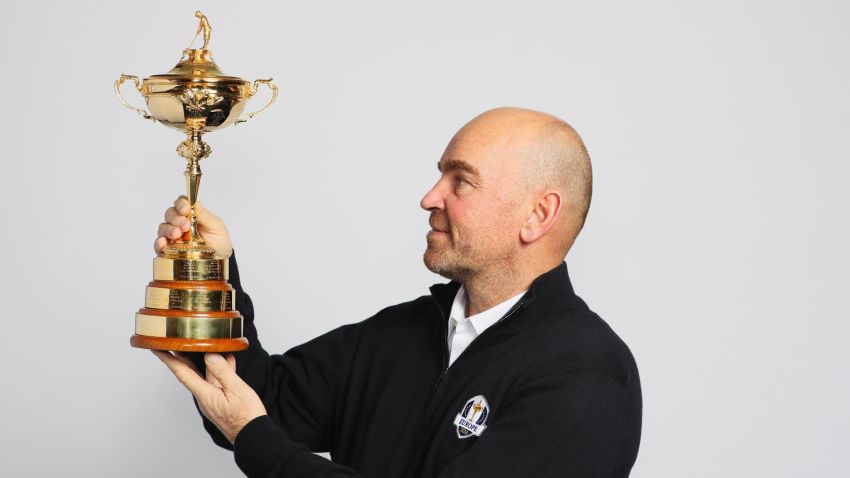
193, 183
193, 149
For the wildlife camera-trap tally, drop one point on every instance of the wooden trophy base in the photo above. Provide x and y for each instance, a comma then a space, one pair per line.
189, 345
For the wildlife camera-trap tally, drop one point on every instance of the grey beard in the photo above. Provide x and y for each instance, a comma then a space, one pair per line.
453, 272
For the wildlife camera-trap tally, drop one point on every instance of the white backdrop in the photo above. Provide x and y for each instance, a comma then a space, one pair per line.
716, 244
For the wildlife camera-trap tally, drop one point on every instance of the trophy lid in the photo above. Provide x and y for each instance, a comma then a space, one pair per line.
196, 65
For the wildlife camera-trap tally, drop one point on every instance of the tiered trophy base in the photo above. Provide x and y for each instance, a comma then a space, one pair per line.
189, 306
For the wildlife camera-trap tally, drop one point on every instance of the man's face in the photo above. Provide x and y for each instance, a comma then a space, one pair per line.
473, 206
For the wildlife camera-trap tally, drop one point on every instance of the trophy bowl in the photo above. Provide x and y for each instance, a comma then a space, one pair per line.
195, 94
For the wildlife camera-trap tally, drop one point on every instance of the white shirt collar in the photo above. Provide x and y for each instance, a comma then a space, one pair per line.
482, 320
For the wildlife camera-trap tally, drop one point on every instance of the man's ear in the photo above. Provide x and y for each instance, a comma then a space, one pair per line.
541, 218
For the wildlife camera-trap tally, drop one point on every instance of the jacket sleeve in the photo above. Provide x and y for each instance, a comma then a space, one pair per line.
298, 388
575, 423
262, 449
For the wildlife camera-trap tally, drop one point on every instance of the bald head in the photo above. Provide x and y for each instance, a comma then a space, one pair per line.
541, 153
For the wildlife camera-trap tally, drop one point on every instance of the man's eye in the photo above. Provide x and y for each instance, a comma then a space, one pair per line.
460, 181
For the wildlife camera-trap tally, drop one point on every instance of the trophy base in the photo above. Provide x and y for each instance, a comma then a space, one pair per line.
189, 345
189, 306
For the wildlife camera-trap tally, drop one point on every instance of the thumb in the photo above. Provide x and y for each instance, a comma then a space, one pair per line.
220, 370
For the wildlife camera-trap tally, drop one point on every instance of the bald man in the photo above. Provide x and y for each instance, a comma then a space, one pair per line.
502, 372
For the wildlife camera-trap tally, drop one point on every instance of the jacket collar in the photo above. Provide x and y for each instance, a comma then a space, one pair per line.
550, 289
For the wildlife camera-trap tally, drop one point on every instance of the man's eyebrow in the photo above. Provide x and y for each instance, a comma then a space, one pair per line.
456, 165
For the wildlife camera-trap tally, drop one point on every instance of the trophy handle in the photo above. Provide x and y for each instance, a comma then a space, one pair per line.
253, 90
135, 79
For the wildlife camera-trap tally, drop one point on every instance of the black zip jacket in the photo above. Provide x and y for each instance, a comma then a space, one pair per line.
561, 394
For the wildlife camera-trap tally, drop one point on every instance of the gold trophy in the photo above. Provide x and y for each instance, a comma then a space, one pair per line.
189, 305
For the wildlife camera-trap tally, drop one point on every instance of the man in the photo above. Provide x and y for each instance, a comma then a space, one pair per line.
503, 372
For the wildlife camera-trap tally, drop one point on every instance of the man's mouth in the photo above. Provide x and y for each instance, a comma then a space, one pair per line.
437, 232
436, 227
438, 224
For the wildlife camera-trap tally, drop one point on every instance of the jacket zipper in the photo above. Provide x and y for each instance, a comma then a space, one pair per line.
445, 351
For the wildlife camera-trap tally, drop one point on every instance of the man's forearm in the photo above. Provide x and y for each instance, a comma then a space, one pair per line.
264, 449
250, 363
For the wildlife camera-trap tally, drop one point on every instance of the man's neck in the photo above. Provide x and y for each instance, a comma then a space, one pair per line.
490, 288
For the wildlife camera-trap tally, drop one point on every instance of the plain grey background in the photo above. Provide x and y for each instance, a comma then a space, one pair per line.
716, 244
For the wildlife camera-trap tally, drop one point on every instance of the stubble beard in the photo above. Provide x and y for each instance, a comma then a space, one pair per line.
447, 263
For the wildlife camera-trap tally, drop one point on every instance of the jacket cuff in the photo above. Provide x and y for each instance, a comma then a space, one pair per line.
261, 446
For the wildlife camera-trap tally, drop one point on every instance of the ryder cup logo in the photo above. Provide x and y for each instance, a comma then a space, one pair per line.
470, 420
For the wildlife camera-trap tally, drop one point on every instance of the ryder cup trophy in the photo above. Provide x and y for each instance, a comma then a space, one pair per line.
189, 305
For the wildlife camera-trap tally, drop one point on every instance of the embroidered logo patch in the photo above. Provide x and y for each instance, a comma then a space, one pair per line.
470, 420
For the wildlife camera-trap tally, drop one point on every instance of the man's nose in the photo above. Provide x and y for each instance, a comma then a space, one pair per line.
433, 199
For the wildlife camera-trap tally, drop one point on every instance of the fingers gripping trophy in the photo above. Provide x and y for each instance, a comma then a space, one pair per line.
189, 305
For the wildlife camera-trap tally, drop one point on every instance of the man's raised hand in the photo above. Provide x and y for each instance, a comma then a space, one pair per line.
210, 227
